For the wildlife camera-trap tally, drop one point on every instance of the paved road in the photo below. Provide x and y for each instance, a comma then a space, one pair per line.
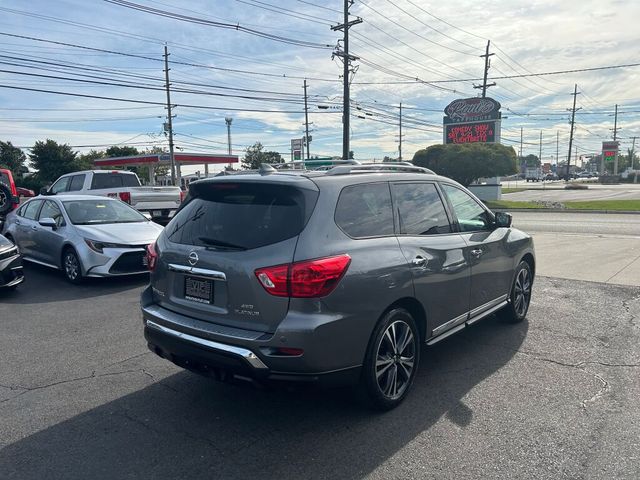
578, 223
553, 397
585, 246
554, 192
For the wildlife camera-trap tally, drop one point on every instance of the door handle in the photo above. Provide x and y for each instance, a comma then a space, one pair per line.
476, 252
419, 261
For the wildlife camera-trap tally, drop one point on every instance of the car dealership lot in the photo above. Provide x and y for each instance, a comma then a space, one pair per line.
555, 396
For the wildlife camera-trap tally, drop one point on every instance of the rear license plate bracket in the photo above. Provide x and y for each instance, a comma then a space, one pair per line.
197, 289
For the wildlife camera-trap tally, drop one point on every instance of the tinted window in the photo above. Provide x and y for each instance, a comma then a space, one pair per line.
420, 209
471, 216
31, 209
101, 211
241, 215
365, 210
51, 210
61, 185
77, 182
114, 180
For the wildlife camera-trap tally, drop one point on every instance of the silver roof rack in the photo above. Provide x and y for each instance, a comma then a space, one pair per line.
401, 167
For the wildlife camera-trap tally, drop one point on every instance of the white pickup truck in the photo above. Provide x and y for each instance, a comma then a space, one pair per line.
160, 203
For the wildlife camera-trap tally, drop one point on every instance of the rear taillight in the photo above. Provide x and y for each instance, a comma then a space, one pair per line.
125, 197
152, 257
182, 196
306, 279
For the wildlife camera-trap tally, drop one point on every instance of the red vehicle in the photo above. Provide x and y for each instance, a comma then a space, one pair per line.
25, 192
9, 199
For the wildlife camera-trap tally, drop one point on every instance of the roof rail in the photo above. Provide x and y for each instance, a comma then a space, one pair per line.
400, 167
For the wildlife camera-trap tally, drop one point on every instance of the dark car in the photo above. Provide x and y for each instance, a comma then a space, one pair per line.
11, 274
25, 192
330, 277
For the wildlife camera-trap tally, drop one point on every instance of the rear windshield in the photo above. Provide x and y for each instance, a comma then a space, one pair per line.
4, 178
114, 180
242, 216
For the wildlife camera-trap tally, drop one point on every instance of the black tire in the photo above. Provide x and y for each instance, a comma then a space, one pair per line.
387, 374
71, 266
6, 199
520, 296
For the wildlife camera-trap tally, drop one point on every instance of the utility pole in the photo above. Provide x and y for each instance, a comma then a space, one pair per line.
615, 137
169, 119
487, 64
573, 118
307, 139
400, 136
632, 155
521, 144
557, 149
346, 60
540, 156
228, 121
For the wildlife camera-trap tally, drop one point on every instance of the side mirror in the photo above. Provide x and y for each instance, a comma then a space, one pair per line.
48, 222
503, 219
44, 191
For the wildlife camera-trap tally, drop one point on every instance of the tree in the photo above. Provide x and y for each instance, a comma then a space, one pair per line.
350, 154
254, 156
52, 160
465, 163
12, 158
530, 161
85, 160
118, 151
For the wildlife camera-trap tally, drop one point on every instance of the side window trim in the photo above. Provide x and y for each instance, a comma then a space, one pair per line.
453, 224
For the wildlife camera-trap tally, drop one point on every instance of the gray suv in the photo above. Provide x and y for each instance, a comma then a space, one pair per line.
334, 276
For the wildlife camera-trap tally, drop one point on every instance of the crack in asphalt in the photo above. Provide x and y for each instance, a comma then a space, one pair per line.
62, 382
128, 358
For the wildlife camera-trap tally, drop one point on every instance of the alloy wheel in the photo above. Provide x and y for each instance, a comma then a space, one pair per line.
522, 292
71, 266
395, 359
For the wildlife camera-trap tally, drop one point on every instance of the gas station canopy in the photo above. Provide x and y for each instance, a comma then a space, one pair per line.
164, 159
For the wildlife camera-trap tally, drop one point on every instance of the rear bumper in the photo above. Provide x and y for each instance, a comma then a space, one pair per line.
220, 360
216, 349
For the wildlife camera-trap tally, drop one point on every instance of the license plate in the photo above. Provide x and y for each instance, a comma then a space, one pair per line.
156, 213
198, 290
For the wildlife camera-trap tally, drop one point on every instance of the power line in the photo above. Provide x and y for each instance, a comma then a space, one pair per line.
216, 24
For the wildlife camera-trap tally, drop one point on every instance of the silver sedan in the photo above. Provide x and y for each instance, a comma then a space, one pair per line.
82, 235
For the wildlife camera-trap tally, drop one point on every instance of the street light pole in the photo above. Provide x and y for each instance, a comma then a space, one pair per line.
228, 121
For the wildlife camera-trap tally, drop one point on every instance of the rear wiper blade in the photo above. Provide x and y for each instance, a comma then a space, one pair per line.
213, 242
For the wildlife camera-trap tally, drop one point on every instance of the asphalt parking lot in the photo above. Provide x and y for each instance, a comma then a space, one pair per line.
553, 397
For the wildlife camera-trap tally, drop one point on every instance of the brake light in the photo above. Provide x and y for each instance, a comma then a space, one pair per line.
152, 257
306, 279
182, 196
125, 197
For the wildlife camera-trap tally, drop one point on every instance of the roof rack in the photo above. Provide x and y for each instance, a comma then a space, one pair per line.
402, 167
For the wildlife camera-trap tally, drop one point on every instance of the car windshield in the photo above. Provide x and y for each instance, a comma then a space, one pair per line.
101, 211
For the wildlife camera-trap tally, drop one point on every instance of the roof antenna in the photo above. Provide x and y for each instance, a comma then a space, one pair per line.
266, 169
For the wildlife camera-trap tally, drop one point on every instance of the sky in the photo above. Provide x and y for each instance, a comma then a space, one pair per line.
57, 56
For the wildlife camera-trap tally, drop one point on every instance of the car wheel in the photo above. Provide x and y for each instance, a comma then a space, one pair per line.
6, 203
520, 297
392, 359
71, 266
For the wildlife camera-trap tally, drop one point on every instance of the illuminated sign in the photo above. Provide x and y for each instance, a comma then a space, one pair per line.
479, 132
610, 150
475, 109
